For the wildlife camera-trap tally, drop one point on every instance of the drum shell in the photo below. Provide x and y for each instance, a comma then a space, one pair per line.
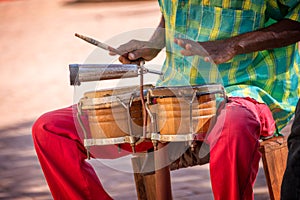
173, 114
113, 121
107, 112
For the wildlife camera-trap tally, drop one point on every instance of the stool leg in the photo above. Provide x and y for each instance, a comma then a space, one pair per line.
274, 155
162, 174
144, 180
138, 177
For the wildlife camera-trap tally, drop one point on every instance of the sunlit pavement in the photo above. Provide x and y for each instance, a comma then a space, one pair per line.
37, 44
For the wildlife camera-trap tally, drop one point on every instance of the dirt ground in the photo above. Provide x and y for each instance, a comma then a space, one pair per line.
37, 45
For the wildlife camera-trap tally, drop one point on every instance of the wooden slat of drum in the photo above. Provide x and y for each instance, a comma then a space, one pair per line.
174, 116
113, 122
184, 106
177, 125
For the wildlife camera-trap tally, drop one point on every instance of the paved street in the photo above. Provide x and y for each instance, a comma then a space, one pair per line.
37, 45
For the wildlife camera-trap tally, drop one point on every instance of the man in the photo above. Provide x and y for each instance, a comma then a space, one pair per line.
253, 45
290, 189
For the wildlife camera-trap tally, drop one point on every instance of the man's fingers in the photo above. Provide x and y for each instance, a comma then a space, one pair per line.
207, 59
135, 51
124, 60
188, 47
186, 53
130, 46
137, 54
180, 42
111, 53
132, 56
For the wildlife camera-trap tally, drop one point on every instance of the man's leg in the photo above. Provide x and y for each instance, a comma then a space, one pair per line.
62, 157
290, 188
234, 142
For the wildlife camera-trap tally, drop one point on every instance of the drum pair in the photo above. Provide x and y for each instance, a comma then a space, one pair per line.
181, 113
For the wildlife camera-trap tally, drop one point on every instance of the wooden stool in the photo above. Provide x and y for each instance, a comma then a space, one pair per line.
274, 156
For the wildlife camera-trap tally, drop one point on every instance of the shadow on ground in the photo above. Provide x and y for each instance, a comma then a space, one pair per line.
21, 176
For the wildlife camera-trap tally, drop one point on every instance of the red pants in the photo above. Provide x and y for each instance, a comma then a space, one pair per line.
234, 155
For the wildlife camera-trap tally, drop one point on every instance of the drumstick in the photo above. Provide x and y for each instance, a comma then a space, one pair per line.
99, 44
109, 48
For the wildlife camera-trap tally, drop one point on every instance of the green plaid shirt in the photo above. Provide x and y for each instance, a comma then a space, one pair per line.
270, 76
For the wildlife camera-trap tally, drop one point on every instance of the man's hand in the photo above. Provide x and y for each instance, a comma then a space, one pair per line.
135, 51
218, 51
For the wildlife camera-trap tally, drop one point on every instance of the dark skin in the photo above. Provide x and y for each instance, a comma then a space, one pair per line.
135, 51
280, 34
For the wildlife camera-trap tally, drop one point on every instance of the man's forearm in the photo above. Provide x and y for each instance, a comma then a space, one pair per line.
281, 34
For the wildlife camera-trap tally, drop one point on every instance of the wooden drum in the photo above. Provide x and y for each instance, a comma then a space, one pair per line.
185, 109
114, 113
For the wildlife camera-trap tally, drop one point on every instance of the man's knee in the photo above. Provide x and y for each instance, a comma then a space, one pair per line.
241, 119
39, 125
250, 116
58, 121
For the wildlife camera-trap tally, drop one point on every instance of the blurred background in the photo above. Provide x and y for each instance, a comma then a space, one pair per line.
37, 45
